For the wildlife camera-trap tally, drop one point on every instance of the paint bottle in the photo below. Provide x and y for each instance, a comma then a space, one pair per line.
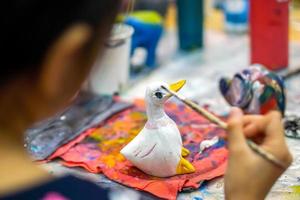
269, 33
236, 15
190, 24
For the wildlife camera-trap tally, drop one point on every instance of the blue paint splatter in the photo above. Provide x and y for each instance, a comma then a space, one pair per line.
35, 148
203, 188
197, 198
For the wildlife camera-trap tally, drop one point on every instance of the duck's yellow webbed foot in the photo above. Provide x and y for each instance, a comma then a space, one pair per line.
184, 167
185, 152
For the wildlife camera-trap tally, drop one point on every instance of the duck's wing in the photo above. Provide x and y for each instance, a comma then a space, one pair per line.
141, 146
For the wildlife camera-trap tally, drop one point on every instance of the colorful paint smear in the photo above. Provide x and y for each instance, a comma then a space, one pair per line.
294, 193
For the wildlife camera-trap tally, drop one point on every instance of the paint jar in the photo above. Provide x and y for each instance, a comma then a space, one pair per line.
190, 24
110, 72
236, 16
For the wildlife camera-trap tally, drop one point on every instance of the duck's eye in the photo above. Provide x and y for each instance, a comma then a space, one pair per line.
159, 95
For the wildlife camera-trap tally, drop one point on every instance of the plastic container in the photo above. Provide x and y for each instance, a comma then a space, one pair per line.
190, 24
236, 15
110, 73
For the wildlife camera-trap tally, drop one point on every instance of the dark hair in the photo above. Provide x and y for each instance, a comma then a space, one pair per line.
28, 27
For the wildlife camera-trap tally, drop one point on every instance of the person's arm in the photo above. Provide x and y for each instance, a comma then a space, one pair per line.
249, 176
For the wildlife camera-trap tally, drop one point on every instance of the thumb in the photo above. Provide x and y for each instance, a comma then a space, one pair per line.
236, 138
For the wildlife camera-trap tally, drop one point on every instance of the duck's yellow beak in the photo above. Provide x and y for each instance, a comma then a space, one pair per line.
177, 86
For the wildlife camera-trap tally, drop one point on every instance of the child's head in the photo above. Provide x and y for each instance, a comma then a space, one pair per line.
48, 48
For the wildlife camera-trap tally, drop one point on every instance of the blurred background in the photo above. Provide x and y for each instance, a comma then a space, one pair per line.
198, 34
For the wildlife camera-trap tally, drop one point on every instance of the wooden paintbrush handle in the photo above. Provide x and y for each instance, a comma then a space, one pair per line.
206, 114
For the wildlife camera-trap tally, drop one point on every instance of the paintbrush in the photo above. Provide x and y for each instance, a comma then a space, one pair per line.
212, 118
291, 73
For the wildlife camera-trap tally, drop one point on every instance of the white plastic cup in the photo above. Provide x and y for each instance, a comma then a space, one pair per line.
110, 73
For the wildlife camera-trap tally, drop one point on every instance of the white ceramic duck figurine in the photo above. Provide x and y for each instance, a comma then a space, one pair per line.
157, 149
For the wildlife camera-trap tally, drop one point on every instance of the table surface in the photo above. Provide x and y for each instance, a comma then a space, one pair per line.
223, 55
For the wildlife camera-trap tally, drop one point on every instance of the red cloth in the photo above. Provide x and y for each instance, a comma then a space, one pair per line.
99, 151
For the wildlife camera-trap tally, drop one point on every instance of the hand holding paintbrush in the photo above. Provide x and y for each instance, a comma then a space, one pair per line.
258, 150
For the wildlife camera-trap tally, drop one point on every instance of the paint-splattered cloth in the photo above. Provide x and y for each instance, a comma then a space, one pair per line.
87, 111
99, 151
